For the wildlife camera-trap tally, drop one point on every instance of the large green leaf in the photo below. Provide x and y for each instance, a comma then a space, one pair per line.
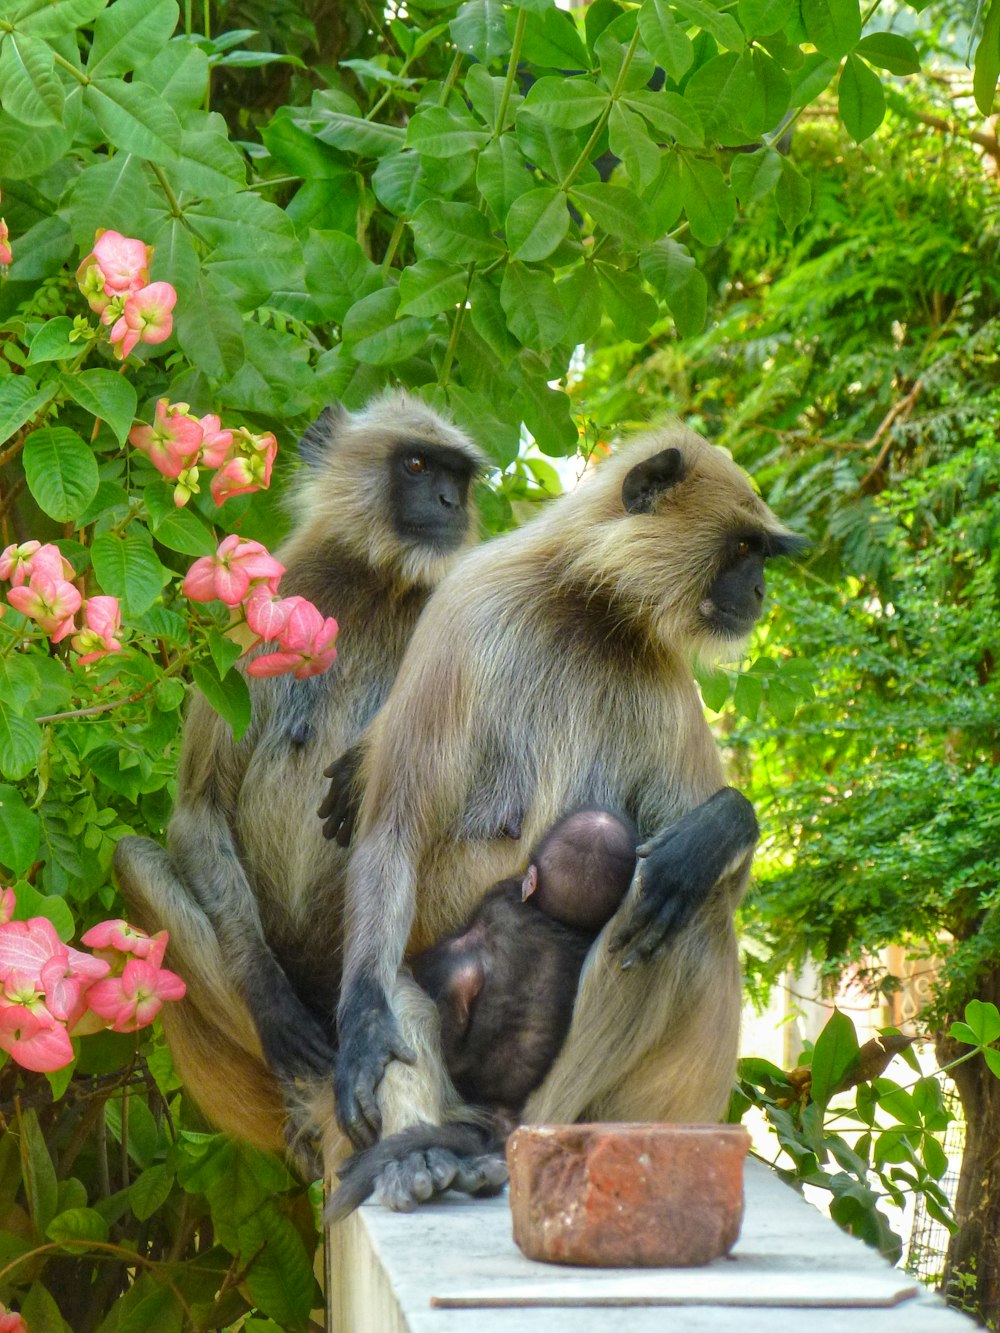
570, 103
708, 200
479, 28
834, 1055
151, 1189
531, 303
19, 401
761, 18
209, 164
987, 65
254, 243
547, 412
57, 17
833, 26
861, 101
29, 85
20, 744
20, 831
52, 342
502, 175
130, 32
229, 697
456, 232
888, 50
338, 272
175, 259
400, 184
26, 150
629, 139
670, 114
630, 307
41, 1186
374, 334
179, 73
754, 175
665, 39
135, 118
537, 224
430, 286
616, 210
61, 472
77, 1224
723, 27
107, 396
792, 195
115, 194
127, 568
551, 39
210, 330
280, 1280
365, 137
440, 132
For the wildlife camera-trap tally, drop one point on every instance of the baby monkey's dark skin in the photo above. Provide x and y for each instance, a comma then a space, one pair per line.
505, 982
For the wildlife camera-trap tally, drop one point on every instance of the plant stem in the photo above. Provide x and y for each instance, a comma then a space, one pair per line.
512, 63
167, 189
598, 129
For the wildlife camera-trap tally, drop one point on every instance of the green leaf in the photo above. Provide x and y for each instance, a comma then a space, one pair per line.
670, 114
761, 18
708, 200
439, 132
792, 195
179, 73
580, 294
338, 272
570, 103
551, 39
20, 745
935, 1158
210, 331
987, 63
26, 150
489, 320
373, 334
280, 1280
531, 303
455, 232
537, 224
254, 244
833, 26
365, 137
152, 1188
984, 1020
225, 653
40, 1311
400, 184
550, 148
834, 1055
992, 1058
632, 310
754, 175
58, 17
502, 175
175, 259
105, 395
168, 694
183, 531
672, 270
548, 414
629, 139
19, 401
772, 91
40, 1182
135, 118
32, 92
18, 680
722, 91
714, 689
812, 78
618, 211
479, 28
128, 569
430, 286
747, 695
861, 101
209, 164
887, 50
52, 342
229, 697
130, 32
20, 831
61, 472
114, 194
726, 31
78, 1224
665, 39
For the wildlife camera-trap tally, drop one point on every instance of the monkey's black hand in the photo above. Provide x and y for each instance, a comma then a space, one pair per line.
342, 802
408, 1168
369, 1041
679, 867
294, 1042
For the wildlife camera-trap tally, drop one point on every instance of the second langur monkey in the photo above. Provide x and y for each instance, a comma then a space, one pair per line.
249, 890
553, 670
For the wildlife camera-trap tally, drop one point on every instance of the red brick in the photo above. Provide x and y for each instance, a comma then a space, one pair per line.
649, 1195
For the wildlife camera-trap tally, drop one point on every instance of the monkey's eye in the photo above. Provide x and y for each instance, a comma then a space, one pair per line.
743, 549
415, 464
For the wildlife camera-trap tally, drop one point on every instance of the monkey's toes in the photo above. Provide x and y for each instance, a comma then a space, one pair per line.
403, 1185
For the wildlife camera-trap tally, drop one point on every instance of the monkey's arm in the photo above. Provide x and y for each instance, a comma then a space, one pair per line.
677, 870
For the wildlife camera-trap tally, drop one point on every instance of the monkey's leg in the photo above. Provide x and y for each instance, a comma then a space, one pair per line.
678, 869
659, 1041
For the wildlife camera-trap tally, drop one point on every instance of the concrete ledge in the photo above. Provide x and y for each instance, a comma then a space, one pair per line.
453, 1266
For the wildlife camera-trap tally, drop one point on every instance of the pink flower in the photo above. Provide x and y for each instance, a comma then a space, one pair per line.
123, 260
102, 620
133, 1000
48, 559
35, 1039
267, 615
118, 937
6, 257
7, 904
49, 601
216, 443
11, 1322
306, 643
66, 980
248, 468
172, 442
14, 561
230, 573
145, 318
26, 946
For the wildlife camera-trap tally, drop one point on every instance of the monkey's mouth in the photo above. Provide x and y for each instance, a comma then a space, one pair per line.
725, 622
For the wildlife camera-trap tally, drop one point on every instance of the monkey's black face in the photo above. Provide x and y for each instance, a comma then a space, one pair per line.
735, 599
429, 495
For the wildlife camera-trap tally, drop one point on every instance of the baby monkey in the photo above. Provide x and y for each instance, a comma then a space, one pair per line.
504, 985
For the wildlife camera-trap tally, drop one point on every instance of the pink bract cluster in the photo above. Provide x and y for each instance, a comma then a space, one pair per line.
9, 1321
41, 589
179, 445
114, 278
244, 575
50, 991
5, 258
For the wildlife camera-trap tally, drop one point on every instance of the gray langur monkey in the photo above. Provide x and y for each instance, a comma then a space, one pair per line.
249, 890
553, 670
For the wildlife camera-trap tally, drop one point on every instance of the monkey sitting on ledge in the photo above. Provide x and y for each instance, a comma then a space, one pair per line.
504, 985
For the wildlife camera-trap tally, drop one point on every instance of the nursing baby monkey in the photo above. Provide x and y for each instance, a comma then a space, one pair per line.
504, 985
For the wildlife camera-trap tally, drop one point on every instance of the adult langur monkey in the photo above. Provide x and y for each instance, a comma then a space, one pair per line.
249, 890
552, 670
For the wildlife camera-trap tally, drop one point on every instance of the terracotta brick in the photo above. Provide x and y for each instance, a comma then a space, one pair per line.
607, 1196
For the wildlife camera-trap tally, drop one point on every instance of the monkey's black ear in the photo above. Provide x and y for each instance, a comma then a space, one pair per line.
317, 437
648, 480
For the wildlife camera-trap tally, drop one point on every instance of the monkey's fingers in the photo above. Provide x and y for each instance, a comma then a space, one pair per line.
402, 1185
481, 1176
653, 939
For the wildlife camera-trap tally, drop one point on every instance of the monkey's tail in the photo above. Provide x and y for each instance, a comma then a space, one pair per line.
431, 1157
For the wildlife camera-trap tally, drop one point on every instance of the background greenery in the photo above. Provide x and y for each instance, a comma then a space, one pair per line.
758, 215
